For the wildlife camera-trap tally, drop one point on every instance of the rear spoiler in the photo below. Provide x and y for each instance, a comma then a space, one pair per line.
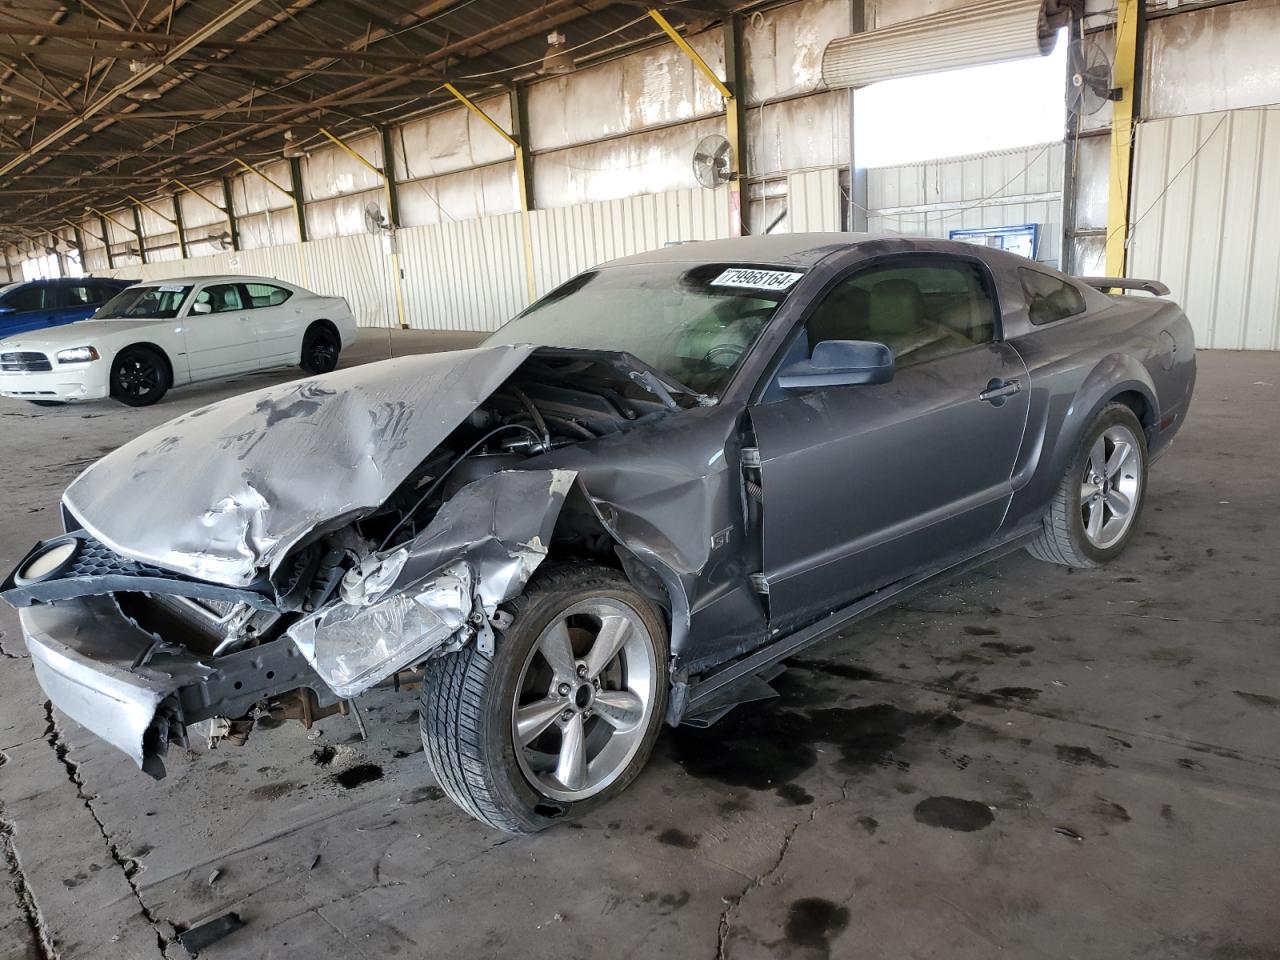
1153, 287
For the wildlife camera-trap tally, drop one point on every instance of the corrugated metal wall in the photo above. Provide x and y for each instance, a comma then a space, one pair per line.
468, 275
1206, 207
813, 201
987, 190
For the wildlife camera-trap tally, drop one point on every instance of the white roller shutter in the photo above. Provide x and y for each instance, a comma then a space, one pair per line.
986, 32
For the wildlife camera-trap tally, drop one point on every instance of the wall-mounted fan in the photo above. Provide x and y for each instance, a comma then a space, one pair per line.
1090, 78
713, 161
374, 221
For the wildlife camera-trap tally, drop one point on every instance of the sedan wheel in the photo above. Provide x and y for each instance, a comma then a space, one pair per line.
1111, 487
584, 699
1092, 515
139, 377
565, 710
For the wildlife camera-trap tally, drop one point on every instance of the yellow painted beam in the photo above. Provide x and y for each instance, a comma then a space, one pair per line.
343, 146
250, 168
1124, 72
143, 203
196, 193
122, 226
475, 108
691, 53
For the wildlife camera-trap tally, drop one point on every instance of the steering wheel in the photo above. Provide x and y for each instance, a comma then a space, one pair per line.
730, 350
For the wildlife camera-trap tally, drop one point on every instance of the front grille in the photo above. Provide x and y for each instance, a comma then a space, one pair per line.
25, 362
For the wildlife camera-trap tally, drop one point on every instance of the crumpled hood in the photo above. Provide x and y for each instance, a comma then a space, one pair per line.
228, 489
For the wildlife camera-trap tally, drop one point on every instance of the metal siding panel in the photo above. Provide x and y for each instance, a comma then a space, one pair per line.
1207, 199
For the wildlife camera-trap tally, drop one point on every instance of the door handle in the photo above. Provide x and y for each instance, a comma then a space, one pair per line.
997, 390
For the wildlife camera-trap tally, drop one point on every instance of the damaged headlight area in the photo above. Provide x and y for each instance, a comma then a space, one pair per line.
352, 646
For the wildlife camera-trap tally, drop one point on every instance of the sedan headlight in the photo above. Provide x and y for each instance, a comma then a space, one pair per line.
352, 646
77, 355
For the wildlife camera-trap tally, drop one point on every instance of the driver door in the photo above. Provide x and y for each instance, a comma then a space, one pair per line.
863, 484
222, 341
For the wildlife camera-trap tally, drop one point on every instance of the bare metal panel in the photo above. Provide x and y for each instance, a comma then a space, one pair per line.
465, 195
652, 161
805, 133
1093, 171
1222, 58
650, 88
784, 47
329, 172
452, 140
1206, 206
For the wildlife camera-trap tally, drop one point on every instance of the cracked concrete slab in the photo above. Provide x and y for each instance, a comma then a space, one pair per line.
1027, 761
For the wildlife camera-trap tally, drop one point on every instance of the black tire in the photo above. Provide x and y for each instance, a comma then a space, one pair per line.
1062, 539
468, 697
320, 349
48, 403
140, 376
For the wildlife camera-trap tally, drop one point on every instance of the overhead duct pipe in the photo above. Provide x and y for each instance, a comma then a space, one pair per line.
986, 32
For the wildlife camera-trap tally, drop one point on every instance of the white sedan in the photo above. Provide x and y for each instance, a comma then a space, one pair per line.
164, 334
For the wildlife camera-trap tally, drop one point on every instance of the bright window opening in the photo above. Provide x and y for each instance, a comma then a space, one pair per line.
974, 110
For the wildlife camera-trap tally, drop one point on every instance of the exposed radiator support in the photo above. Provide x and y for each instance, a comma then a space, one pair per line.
986, 32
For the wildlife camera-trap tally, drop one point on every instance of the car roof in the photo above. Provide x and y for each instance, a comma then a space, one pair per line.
58, 280
214, 278
804, 250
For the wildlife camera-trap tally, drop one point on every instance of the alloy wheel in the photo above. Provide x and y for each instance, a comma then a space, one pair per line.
585, 699
138, 377
1111, 486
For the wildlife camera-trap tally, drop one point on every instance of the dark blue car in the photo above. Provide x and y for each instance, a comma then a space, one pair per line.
35, 304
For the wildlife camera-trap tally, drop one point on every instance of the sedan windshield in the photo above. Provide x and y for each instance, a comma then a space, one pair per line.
149, 303
693, 324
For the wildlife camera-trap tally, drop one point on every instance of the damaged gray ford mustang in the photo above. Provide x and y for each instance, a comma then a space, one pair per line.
625, 508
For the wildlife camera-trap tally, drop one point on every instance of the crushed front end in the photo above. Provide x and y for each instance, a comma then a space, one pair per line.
282, 552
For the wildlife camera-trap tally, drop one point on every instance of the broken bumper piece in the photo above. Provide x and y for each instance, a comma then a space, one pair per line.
139, 693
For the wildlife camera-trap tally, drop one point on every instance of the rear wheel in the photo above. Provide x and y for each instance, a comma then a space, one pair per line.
320, 349
563, 715
1096, 507
139, 377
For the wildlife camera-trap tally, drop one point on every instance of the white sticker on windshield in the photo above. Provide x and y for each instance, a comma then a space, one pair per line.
756, 279
170, 288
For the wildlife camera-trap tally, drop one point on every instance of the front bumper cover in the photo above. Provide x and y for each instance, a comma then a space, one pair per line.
139, 693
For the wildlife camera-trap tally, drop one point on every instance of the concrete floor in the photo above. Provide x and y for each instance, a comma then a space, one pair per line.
1030, 762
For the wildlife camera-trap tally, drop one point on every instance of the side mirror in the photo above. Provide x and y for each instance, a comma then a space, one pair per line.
838, 363
202, 308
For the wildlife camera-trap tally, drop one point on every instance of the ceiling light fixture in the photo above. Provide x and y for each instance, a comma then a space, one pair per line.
557, 60
292, 149
146, 90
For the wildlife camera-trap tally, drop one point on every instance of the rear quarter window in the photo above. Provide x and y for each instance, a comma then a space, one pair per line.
1049, 299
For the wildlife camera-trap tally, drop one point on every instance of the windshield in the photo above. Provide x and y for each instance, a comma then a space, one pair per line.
151, 303
692, 323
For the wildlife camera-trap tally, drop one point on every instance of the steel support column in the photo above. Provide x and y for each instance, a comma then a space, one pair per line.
177, 224
137, 232
1126, 75
106, 241
229, 209
299, 204
524, 180
735, 118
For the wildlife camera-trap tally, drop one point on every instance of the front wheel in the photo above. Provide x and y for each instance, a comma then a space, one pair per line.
139, 377
564, 713
1093, 513
320, 349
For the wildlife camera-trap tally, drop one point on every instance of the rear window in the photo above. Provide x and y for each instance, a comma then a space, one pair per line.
1049, 299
